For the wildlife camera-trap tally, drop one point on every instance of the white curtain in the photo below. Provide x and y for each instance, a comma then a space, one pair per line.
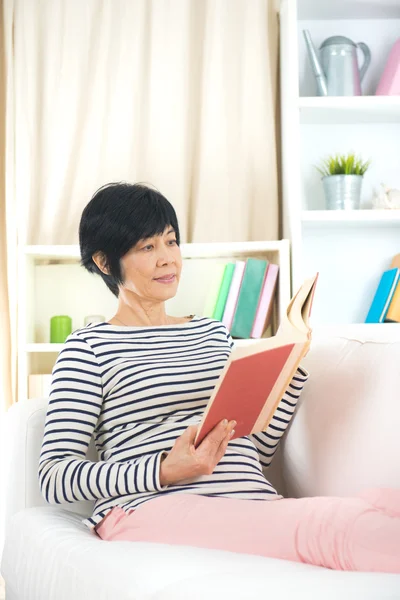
177, 93
8, 231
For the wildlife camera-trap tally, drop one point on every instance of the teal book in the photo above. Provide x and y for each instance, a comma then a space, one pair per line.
249, 297
224, 291
383, 296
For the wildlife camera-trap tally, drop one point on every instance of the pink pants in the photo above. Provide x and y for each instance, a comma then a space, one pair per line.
351, 534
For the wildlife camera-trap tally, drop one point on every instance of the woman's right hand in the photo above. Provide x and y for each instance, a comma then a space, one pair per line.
185, 461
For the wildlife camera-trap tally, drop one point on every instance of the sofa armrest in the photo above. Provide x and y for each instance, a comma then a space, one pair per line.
24, 429
21, 426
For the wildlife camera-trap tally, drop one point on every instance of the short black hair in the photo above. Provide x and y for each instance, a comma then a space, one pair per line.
117, 217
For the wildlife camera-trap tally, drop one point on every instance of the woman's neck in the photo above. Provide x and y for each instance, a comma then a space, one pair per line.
117, 320
142, 317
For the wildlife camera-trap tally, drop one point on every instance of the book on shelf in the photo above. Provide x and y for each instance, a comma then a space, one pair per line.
264, 310
383, 296
249, 296
216, 276
223, 291
395, 262
393, 313
256, 376
233, 294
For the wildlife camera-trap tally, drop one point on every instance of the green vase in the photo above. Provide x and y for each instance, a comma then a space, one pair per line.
60, 328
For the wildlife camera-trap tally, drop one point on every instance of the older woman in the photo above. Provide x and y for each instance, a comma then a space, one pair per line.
139, 384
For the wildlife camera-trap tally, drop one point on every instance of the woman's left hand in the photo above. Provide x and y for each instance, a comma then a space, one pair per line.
185, 461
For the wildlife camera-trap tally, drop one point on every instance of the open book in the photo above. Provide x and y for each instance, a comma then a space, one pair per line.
256, 376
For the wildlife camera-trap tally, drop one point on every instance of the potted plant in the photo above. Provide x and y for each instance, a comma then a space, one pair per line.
342, 177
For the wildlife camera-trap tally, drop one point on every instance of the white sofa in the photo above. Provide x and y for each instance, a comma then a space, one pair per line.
343, 438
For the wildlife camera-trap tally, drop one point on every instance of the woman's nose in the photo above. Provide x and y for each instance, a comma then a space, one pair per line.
166, 257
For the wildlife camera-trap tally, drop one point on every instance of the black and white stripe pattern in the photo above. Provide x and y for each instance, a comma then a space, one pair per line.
136, 390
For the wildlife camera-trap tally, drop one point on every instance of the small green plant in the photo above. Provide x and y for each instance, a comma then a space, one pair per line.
342, 164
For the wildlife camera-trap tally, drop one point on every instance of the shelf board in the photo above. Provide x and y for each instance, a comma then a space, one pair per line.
352, 217
348, 9
52, 252
31, 348
334, 110
227, 249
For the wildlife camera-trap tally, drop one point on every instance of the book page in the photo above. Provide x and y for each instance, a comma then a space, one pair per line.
297, 314
282, 382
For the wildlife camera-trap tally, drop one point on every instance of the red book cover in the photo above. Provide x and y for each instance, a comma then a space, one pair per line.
235, 399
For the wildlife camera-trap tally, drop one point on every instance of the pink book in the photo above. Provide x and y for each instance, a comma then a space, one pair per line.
264, 309
233, 295
389, 84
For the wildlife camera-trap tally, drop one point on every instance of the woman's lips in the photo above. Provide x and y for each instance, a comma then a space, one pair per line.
166, 279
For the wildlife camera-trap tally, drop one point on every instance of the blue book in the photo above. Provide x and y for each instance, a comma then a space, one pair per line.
383, 296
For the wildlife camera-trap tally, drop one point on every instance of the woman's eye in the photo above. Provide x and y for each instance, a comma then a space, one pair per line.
148, 247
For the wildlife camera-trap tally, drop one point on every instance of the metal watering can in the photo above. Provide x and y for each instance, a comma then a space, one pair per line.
338, 73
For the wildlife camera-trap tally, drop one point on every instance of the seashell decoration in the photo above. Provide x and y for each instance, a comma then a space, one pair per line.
386, 198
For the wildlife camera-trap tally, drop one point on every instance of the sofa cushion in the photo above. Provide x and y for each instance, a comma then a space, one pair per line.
345, 435
63, 560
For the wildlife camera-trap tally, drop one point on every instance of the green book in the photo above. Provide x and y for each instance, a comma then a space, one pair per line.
249, 295
214, 284
223, 291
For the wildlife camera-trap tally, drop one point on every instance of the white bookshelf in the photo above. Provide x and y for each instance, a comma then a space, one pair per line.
350, 249
52, 282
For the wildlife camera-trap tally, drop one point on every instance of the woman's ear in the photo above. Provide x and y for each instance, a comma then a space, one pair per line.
100, 260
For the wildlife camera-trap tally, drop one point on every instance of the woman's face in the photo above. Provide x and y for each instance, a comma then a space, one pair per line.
152, 268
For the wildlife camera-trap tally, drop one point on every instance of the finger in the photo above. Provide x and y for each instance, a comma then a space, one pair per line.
223, 446
211, 443
190, 433
217, 434
225, 429
227, 438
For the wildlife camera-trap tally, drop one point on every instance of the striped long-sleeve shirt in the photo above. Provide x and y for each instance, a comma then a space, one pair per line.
136, 389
